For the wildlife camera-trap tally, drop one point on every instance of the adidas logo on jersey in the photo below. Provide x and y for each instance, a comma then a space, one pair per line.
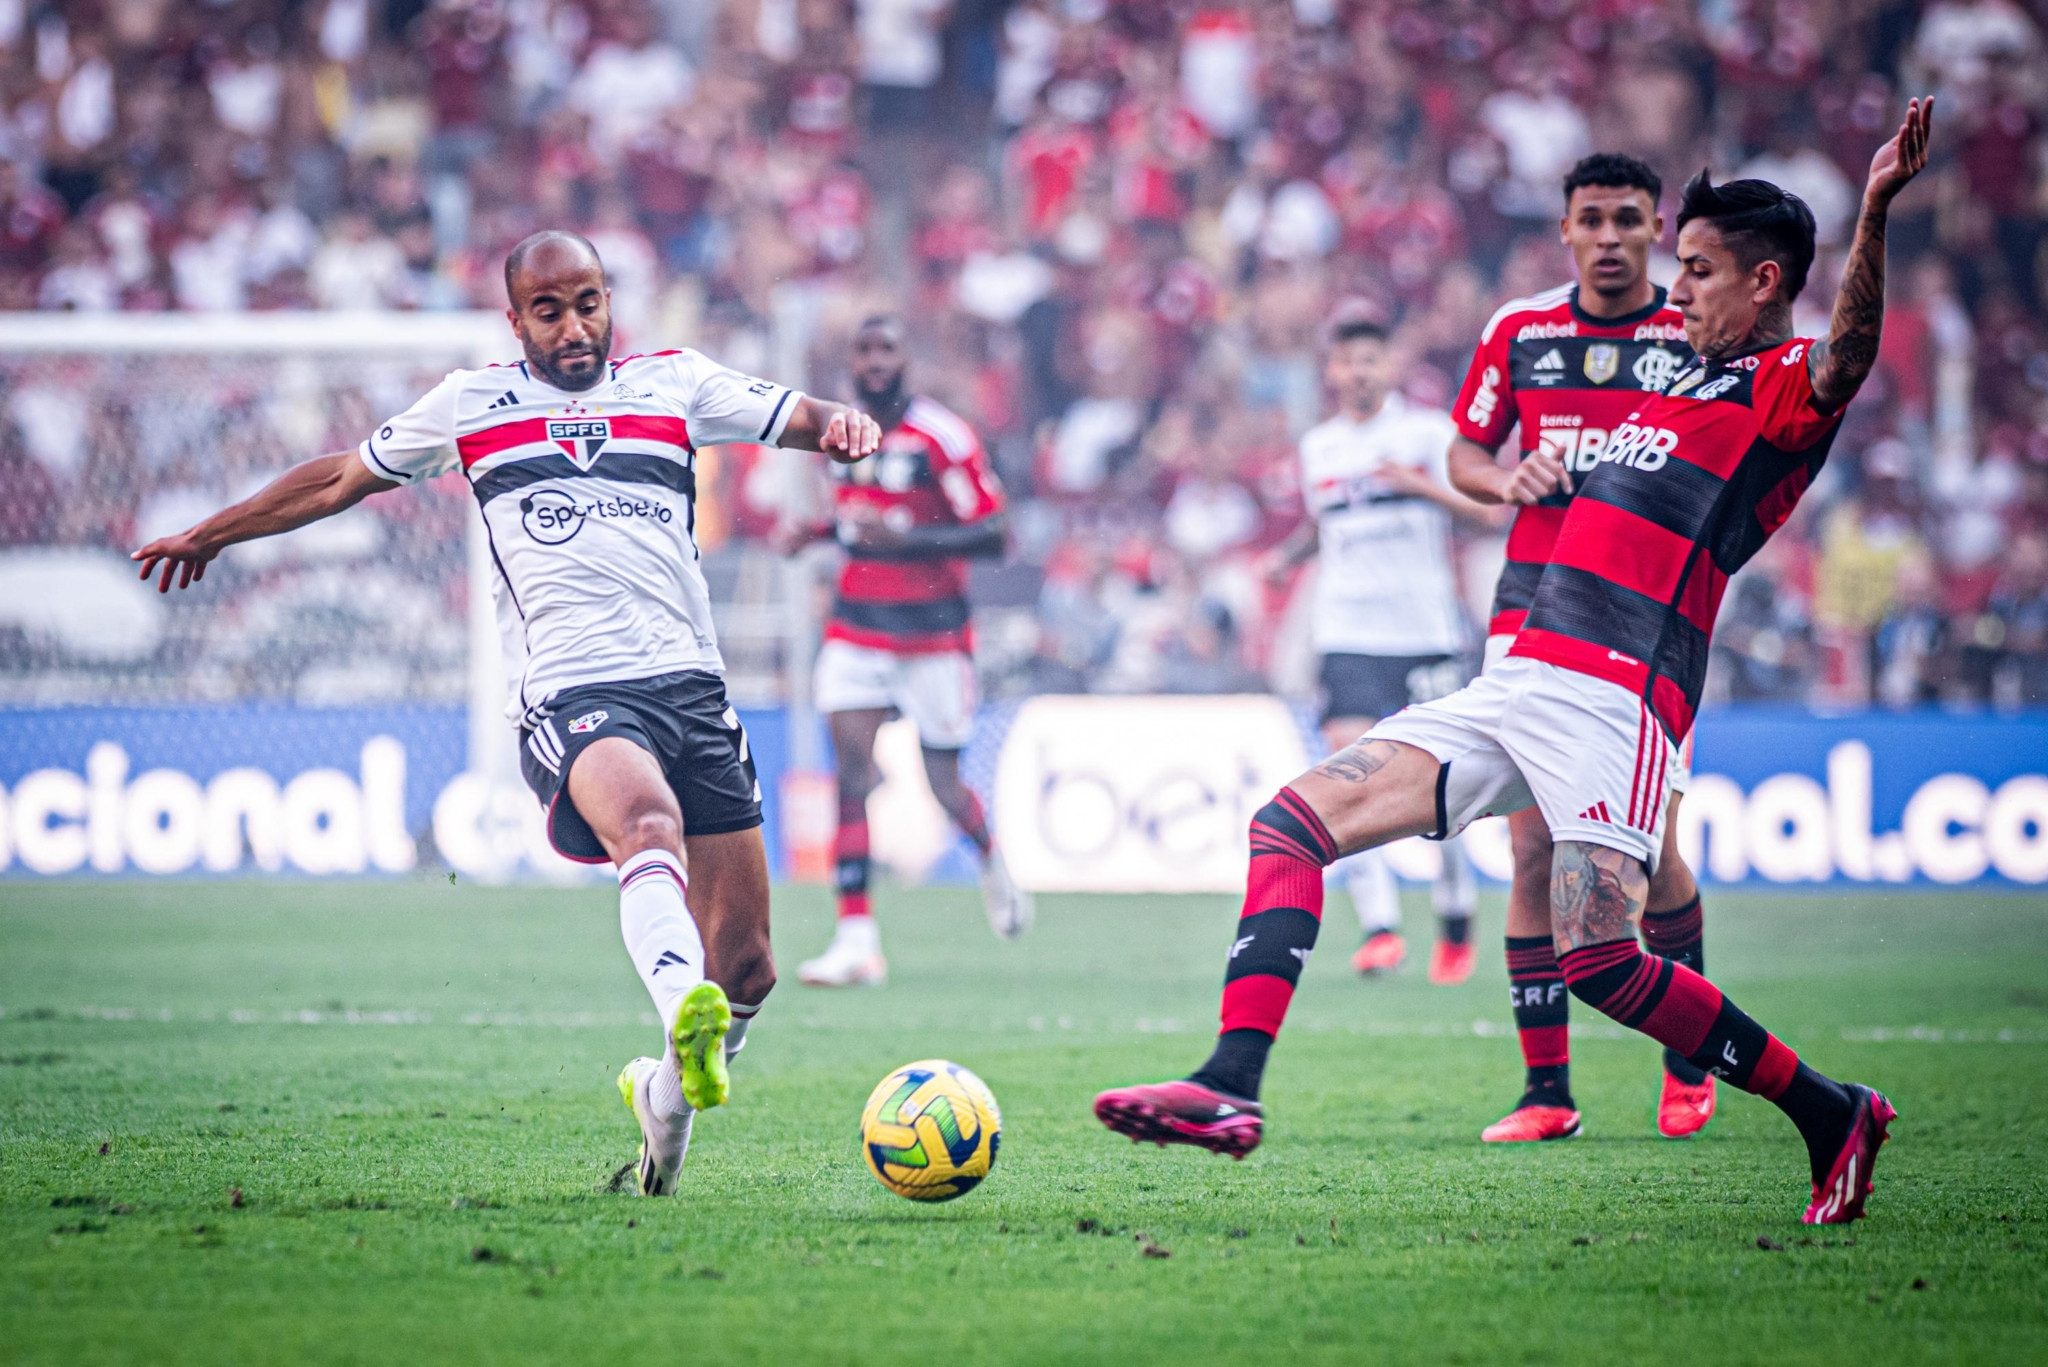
1551, 361
505, 400
1596, 812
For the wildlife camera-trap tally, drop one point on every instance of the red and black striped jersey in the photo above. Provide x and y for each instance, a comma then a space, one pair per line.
1686, 490
930, 471
1568, 378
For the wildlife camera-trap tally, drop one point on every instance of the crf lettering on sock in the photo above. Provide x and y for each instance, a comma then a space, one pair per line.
1541, 1003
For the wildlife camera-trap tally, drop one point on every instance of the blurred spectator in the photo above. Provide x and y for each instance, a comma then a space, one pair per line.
1116, 229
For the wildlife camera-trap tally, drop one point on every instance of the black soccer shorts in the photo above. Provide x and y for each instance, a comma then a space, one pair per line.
1380, 685
683, 720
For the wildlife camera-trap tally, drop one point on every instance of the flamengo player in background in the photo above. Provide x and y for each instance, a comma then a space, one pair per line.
898, 636
1605, 673
1568, 366
1387, 618
584, 468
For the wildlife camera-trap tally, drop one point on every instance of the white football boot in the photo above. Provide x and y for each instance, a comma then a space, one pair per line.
1011, 910
664, 1138
853, 960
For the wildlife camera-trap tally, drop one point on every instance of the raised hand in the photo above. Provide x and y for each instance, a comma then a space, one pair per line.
1905, 156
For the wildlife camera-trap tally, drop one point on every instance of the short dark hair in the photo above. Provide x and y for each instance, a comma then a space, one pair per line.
515, 259
884, 322
1615, 171
1357, 329
1758, 221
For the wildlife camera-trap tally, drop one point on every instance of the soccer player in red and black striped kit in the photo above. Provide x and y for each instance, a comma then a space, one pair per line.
910, 517
1565, 368
1580, 720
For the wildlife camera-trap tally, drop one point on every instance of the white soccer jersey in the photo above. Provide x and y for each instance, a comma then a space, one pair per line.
1385, 585
589, 500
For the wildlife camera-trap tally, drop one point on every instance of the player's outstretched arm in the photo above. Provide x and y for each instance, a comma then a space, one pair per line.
1840, 364
1477, 475
319, 488
874, 539
845, 434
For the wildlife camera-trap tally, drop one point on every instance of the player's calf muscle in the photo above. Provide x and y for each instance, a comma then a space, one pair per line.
1596, 895
1372, 792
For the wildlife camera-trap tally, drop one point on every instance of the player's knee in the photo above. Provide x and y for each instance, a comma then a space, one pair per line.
652, 828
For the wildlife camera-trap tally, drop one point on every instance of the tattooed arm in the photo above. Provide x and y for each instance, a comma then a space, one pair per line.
1840, 364
1596, 895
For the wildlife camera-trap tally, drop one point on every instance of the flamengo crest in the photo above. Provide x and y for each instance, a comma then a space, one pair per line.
581, 438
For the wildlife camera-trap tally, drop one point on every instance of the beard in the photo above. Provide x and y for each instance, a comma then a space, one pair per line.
881, 400
549, 368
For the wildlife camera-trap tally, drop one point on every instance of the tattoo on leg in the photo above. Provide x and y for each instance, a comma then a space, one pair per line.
1596, 895
1357, 762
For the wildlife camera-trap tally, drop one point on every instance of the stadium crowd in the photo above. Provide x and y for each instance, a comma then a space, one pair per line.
1118, 229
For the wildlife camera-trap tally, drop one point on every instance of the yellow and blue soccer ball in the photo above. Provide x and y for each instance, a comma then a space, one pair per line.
930, 1131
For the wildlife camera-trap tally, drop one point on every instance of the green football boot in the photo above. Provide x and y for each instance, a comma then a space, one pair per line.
700, 1032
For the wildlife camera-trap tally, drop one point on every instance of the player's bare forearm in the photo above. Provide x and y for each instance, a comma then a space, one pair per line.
1457, 504
1596, 894
1840, 364
964, 541
845, 434
1476, 474
1298, 545
307, 492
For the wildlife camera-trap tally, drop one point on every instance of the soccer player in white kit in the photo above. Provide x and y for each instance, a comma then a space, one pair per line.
585, 470
1386, 619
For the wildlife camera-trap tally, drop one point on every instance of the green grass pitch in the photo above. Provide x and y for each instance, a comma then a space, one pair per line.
410, 1086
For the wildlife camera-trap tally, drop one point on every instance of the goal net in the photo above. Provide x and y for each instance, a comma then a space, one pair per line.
118, 429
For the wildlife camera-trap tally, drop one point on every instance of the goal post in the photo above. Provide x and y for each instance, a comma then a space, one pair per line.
122, 427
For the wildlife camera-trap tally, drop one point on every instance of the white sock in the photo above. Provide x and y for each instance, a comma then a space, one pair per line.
736, 1038
1373, 893
661, 935
1455, 891
665, 1088
858, 935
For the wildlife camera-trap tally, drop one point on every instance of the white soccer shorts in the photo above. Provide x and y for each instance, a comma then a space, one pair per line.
937, 691
1586, 753
1497, 647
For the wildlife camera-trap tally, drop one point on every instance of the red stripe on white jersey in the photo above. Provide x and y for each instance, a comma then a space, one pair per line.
489, 441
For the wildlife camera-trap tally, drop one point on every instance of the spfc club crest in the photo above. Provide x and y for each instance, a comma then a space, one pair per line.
1603, 362
580, 438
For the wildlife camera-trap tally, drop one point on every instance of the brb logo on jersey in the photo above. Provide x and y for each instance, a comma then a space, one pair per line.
1641, 448
581, 438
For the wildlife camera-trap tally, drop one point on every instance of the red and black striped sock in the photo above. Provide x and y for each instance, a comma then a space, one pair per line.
1283, 910
1542, 1009
1677, 935
974, 824
850, 864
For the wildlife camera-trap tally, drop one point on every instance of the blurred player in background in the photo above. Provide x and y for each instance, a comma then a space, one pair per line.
898, 640
1387, 619
584, 468
1604, 677
1568, 366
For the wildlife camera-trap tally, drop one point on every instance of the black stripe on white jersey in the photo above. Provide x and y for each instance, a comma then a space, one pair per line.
625, 467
